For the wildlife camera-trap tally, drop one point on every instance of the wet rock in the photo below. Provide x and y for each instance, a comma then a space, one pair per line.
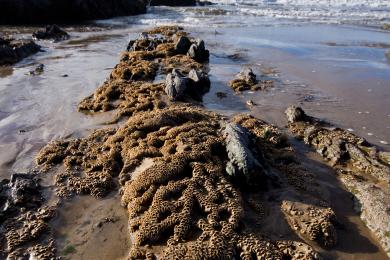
247, 75
21, 191
245, 80
12, 51
295, 114
242, 161
51, 32
386, 26
312, 222
173, 2
199, 84
183, 45
66, 11
175, 84
24, 190
198, 51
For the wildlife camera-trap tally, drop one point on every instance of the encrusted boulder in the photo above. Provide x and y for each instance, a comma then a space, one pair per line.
295, 114
12, 51
198, 51
312, 222
245, 80
183, 44
175, 84
52, 33
243, 163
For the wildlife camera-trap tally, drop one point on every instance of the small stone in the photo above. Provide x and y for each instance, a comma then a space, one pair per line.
295, 114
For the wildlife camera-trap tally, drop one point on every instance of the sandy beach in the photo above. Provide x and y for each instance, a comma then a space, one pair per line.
102, 137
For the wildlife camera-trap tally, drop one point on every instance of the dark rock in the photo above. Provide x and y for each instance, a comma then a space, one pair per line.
204, 3
12, 51
173, 2
247, 75
200, 84
295, 114
66, 11
51, 32
175, 84
183, 45
198, 51
242, 161
145, 43
22, 191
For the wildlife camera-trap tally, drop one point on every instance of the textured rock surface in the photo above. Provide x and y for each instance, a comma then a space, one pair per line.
183, 45
176, 84
12, 51
242, 161
65, 11
51, 32
24, 219
198, 51
363, 169
245, 80
312, 222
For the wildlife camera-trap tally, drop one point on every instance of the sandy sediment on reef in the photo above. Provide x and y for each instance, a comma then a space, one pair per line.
189, 204
214, 187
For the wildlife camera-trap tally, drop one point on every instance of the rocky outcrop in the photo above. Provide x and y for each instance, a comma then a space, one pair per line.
52, 33
312, 222
12, 51
242, 162
65, 11
173, 2
245, 80
195, 85
198, 51
23, 219
362, 168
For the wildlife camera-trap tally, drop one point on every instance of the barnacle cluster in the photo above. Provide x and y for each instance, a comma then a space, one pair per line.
313, 222
29, 230
127, 97
129, 88
185, 205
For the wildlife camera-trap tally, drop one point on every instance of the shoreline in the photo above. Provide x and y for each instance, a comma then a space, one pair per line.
168, 133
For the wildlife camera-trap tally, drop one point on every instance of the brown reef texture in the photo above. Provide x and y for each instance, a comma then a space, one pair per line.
185, 205
363, 168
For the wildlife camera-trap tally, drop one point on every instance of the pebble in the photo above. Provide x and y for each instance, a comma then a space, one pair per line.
350, 129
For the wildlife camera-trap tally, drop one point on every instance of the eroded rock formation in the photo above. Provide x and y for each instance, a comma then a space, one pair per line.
12, 51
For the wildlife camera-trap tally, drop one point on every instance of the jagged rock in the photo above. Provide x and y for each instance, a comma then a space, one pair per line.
200, 84
247, 75
183, 45
295, 114
175, 84
66, 11
12, 51
241, 159
245, 80
21, 191
173, 2
51, 32
198, 51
